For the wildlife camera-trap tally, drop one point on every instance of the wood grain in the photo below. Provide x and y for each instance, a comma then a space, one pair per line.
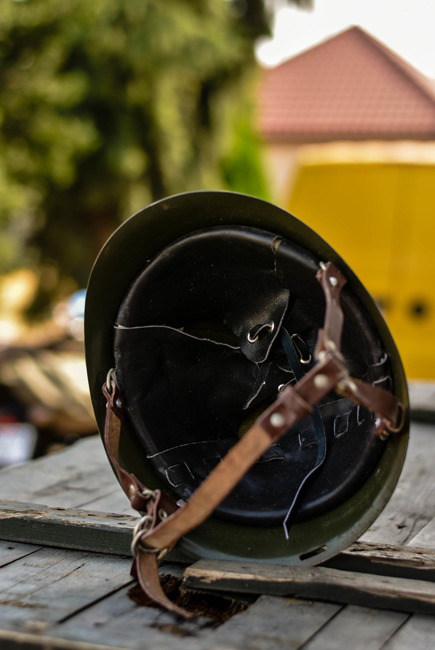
321, 583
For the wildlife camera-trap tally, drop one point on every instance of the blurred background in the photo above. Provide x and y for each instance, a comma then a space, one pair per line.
110, 105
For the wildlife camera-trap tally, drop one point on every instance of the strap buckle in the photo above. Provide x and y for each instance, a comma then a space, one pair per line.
143, 526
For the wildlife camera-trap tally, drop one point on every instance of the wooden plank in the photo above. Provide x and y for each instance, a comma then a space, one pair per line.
71, 528
67, 528
268, 624
426, 537
52, 584
273, 623
111, 533
12, 551
77, 476
382, 559
71, 478
358, 628
320, 583
12, 640
114, 501
417, 634
412, 505
121, 621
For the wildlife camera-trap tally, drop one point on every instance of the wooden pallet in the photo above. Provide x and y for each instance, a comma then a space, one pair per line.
65, 582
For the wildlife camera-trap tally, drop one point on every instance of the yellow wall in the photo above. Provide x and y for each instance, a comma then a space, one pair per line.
380, 217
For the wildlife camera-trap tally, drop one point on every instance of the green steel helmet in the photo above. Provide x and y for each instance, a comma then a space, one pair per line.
204, 307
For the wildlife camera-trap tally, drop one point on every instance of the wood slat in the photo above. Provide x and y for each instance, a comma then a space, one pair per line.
10, 551
417, 634
71, 528
320, 583
11, 640
273, 624
111, 533
357, 628
426, 537
70, 478
130, 625
67, 528
412, 505
52, 584
382, 559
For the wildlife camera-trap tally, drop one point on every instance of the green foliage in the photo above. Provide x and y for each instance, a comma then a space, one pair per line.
241, 168
106, 105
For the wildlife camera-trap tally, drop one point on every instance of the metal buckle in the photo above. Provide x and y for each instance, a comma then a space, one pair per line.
109, 377
142, 527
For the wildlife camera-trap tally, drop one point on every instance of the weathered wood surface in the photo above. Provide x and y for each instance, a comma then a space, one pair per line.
412, 505
11, 551
321, 583
382, 559
66, 527
81, 600
50, 584
111, 533
76, 478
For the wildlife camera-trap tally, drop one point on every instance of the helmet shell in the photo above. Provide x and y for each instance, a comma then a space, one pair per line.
133, 247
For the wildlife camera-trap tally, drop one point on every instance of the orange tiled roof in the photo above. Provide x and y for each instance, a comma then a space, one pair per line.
348, 87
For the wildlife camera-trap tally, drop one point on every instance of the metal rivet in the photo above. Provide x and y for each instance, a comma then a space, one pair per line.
321, 381
333, 281
277, 420
118, 403
254, 339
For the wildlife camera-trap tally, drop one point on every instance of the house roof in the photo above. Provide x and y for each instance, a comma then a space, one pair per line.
350, 86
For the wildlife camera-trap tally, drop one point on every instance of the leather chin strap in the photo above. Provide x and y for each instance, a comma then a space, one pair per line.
163, 522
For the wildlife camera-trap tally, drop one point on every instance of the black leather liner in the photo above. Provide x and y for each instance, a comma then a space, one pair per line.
193, 382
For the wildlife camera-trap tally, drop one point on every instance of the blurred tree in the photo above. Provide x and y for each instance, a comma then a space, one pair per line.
108, 105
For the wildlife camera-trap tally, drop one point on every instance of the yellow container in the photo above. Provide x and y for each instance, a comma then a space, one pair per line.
378, 211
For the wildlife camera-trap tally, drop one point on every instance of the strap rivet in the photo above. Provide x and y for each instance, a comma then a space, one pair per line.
118, 403
333, 281
277, 420
321, 381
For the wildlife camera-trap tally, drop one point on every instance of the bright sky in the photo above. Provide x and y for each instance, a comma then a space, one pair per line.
406, 26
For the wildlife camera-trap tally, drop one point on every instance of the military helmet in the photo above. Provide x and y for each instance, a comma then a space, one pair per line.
204, 307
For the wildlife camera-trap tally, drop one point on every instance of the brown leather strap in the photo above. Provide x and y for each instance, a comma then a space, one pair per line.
160, 532
151, 503
136, 491
164, 523
289, 408
332, 282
